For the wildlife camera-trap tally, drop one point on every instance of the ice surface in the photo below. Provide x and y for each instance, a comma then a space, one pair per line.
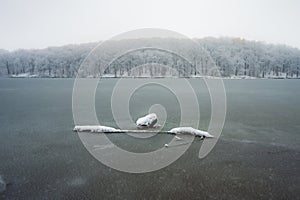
190, 130
178, 138
2, 185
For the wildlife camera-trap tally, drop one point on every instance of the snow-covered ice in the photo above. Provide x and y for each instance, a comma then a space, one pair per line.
190, 130
147, 121
96, 129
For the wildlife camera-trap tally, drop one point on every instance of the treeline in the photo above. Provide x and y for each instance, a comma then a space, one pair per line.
240, 57
232, 56
50, 62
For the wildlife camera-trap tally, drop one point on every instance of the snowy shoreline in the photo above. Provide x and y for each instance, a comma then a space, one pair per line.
154, 77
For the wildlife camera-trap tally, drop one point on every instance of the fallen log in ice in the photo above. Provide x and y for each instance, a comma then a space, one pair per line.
178, 130
96, 129
107, 129
190, 130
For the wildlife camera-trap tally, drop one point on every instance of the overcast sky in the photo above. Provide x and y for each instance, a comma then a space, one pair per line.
42, 23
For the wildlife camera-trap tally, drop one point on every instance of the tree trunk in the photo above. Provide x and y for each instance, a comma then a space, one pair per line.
7, 67
276, 71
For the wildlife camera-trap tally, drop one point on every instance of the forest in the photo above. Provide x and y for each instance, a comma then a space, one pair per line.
233, 57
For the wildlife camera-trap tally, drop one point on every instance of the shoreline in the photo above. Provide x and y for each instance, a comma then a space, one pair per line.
157, 77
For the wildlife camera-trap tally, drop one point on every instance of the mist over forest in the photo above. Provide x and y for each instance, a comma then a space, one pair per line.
234, 57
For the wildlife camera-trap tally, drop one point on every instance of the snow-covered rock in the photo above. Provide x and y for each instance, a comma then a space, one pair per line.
96, 129
147, 121
190, 130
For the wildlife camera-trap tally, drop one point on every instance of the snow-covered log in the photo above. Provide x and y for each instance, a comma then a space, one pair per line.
190, 130
96, 129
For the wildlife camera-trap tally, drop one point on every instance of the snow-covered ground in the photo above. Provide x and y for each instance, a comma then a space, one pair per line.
24, 75
266, 76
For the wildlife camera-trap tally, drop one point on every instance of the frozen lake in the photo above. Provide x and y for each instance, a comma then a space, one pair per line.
257, 156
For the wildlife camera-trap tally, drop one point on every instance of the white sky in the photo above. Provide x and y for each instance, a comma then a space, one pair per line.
42, 23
